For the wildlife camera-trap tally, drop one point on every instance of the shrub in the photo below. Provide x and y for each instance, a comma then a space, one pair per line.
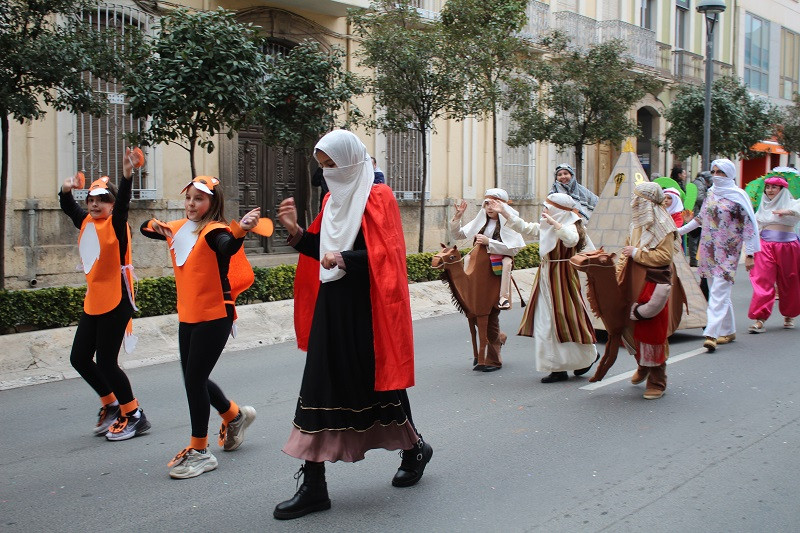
62, 306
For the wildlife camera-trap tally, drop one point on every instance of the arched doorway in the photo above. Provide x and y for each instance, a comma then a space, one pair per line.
647, 148
266, 175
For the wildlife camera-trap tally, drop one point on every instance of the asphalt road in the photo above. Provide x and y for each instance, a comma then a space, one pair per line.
719, 452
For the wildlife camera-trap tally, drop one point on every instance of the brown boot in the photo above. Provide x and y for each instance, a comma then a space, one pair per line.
656, 382
640, 375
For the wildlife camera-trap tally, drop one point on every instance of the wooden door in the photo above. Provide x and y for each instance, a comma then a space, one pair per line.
267, 175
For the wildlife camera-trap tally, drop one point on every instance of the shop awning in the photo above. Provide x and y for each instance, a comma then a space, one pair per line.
770, 146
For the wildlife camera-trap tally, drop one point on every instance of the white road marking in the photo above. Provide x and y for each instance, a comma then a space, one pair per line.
627, 375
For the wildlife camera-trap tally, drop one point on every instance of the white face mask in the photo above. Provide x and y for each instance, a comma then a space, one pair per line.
720, 180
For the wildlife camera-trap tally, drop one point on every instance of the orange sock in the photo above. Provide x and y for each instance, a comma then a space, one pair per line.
199, 443
231, 413
127, 408
108, 399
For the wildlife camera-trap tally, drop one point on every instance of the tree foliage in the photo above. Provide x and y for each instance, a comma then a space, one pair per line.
578, 97
307, 93
202, 75
738, 119
416, 73
789, 131
485, 36
45, 53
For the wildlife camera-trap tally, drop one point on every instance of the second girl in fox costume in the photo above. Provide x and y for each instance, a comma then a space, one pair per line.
210, 271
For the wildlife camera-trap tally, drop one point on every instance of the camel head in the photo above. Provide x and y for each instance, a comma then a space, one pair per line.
447, 256
585, 260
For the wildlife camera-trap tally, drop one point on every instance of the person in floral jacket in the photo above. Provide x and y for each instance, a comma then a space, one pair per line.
728, 222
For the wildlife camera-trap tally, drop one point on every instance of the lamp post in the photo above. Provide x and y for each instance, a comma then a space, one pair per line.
711, 9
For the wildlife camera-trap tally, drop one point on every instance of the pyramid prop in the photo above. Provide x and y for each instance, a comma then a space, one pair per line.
609, 227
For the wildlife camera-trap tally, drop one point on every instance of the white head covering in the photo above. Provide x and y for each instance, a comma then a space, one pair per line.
782, 200
677, 203
510, 238
564, 209
350, 184
725, 187
648, 213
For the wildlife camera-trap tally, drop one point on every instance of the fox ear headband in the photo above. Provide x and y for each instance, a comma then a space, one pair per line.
99, 187
203, 183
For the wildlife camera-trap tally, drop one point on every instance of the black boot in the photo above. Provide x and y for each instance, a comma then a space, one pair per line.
312, 496
413, 464
555, 376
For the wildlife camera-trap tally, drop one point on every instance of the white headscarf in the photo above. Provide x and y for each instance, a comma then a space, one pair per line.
782, 200
350, 184
725, 187
547, 233
510, 238
677, 203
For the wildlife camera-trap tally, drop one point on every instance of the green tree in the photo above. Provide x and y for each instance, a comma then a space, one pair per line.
202, 75
485, 36
416, 74
738, 119
307, 93
578, 97
44, 55
789, 130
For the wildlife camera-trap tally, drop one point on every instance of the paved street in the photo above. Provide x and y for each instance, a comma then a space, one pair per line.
718, 453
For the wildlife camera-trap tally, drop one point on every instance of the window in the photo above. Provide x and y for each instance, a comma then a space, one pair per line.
649, 14
516, 165
403, 167
790, 63
756, 53
681, 25
99, 142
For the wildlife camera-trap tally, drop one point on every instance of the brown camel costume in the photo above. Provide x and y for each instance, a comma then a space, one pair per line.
475, 294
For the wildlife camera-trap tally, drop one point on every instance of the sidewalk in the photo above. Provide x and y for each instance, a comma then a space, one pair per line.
43, 356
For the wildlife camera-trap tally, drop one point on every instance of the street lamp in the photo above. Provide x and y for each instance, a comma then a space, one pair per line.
711, 9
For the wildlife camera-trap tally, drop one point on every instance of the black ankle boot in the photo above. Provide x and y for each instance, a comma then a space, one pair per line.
413, 464
555, 376
312, 496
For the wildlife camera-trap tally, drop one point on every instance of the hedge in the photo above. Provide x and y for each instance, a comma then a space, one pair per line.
55, 307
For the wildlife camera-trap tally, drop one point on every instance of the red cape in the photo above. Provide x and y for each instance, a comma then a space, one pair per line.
388, 280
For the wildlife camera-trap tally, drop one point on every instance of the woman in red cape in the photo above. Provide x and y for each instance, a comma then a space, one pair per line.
353, 317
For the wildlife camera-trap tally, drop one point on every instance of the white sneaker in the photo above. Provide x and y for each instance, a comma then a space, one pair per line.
191, 463
231, 435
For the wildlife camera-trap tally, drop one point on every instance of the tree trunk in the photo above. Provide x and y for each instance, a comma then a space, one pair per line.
579, 162
423, 185
4, 127
192, 146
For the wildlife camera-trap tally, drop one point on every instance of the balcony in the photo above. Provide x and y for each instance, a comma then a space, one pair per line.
428, 9
640, 42
664, 59
538, 21
581, 30
722, 69
688, 67
336, 8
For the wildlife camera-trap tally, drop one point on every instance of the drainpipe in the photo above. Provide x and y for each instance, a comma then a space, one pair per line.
31, 213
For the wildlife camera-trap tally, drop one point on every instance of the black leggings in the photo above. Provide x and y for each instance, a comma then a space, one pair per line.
102, 334
201, 345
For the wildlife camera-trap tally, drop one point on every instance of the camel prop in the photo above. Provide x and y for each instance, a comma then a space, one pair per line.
475, 291
611, 295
